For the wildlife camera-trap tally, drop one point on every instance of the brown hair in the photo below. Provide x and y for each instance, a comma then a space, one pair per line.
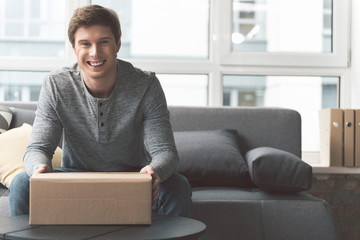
94, 15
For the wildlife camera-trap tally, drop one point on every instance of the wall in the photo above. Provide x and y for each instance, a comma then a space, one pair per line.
342, 192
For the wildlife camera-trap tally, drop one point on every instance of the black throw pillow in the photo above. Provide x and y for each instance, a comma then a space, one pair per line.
275, 170
212, 158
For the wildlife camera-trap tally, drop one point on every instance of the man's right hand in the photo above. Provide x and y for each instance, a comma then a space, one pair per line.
42, 169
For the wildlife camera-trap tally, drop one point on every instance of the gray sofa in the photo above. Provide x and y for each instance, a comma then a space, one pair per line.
237, 202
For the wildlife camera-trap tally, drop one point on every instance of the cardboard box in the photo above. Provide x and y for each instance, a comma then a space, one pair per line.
90, 198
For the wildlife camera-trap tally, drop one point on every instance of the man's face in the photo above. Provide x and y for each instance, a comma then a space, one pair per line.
95, 49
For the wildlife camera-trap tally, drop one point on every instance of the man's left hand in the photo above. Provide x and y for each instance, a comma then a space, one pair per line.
155, 182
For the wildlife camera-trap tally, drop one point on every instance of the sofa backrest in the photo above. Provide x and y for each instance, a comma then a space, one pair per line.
257, 127
22, 113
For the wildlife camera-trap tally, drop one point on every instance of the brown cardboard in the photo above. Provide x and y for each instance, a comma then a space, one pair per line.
357, 137
331, 137
90, 198
349, 137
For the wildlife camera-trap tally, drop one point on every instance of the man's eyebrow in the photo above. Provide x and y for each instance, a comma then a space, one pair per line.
85, 40
106, 38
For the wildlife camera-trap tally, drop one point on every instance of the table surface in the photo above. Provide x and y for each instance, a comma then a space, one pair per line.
162, 227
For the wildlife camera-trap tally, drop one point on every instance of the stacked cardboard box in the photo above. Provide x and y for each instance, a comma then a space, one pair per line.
340, 137
90, 198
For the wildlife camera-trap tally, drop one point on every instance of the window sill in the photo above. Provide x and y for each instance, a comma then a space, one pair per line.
318, 169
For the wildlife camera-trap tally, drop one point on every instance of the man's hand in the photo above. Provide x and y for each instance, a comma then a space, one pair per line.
42, 169
155, 182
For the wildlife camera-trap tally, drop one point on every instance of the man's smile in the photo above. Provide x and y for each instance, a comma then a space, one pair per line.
96, 63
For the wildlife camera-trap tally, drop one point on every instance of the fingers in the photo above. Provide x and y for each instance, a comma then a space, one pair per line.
155, 182
42, 169
155, 189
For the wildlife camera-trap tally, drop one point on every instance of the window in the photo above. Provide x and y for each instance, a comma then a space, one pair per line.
185, 89
204, 52
305, 94
23, 86
280, 26
32, 28
146, 35
286, 33
169, 29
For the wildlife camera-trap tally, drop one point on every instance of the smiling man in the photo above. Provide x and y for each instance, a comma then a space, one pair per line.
113, 118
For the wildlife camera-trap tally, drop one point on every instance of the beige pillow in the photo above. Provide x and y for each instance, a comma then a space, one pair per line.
13, 144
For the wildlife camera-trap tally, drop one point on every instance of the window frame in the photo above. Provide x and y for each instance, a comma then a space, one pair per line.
221, 57
222, 61
338, 58
33, 63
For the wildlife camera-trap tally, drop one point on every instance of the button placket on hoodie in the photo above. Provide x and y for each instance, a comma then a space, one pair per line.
102, 121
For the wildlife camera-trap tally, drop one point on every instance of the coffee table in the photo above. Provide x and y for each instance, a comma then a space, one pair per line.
162, 227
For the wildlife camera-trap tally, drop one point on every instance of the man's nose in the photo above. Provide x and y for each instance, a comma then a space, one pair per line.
94, 50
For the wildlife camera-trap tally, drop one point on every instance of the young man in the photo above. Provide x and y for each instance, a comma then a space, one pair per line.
114, 118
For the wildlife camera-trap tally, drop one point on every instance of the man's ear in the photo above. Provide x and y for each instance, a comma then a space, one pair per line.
73, 48
118, 46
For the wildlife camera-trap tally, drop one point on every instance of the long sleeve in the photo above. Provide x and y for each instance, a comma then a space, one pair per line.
158, 135
46, 131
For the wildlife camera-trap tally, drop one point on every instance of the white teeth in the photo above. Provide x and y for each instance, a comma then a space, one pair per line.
96, 63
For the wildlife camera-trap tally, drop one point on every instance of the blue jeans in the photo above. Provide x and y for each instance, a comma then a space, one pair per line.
174, 195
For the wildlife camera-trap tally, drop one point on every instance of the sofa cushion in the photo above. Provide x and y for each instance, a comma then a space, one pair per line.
13, 144
279, 171
5, 118
21, 116
211, 158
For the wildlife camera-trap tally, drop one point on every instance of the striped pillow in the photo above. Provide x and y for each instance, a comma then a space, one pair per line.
5, 118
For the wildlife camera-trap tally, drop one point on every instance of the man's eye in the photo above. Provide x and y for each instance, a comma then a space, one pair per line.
104, 42
85, 44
